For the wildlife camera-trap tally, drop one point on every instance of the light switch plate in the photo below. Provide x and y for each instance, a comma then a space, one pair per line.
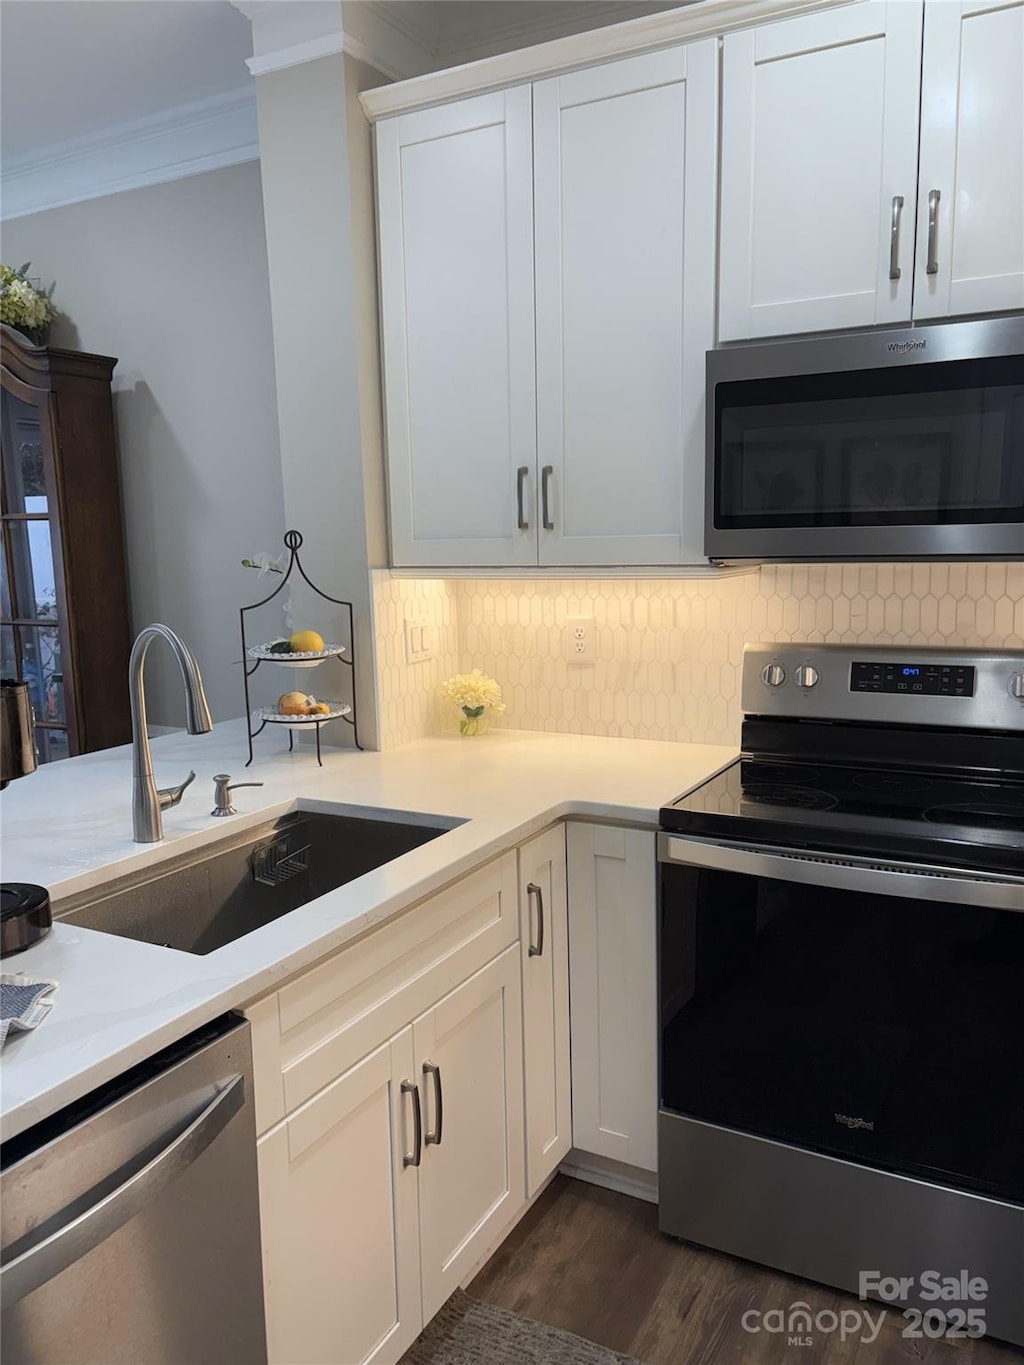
418, 644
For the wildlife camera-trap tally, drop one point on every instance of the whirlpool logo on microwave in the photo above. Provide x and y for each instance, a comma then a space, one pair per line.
849, 1121
902, 347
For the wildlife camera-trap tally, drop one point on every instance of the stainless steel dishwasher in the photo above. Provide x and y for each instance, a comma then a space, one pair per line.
129, 1221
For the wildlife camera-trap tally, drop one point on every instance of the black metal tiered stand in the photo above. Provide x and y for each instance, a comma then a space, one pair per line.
292, 542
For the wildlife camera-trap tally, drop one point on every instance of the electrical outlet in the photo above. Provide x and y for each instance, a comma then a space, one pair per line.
578, 639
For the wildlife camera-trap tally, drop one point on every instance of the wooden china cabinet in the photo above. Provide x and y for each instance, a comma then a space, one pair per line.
63, 597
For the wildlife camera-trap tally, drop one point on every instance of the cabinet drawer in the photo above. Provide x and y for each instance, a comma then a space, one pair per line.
323, 1022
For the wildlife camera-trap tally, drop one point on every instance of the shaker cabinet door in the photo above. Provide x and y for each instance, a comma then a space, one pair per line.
456, 283
625, 191
819, 171
613, 988
970, 238
469, 1062
545, 946
338, 1207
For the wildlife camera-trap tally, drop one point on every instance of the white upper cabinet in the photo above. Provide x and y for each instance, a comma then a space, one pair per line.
456, 275
970, 241
624, 202
548, 260
819, 170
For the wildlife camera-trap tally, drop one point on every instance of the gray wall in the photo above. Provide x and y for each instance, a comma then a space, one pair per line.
172, 279
328, 401
358, 77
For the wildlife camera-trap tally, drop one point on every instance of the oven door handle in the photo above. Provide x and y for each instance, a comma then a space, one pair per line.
916, 881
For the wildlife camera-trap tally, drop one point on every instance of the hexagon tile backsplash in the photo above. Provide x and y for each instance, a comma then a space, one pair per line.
666, 653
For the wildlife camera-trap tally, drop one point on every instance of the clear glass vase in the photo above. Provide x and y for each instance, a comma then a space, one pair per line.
473, 722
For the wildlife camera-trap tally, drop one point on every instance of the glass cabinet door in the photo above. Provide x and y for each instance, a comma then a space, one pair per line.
31, 643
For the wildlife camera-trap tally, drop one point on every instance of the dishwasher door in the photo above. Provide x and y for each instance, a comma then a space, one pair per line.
129, 1222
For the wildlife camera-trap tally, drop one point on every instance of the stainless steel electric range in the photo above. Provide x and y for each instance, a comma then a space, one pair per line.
841, 968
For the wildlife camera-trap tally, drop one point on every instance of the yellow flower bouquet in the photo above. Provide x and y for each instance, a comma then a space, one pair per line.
476, 696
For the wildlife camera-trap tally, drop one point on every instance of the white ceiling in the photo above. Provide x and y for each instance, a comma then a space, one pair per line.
74, 67
466, 30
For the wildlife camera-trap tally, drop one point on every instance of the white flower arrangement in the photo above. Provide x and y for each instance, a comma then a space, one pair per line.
23, 306
476, 695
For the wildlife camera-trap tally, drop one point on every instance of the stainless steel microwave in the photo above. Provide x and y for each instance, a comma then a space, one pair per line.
903, 444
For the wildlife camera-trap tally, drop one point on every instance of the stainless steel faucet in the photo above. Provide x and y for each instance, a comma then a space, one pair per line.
147, 801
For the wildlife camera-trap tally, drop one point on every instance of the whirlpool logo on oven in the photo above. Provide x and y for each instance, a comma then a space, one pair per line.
854, 1121
902, 347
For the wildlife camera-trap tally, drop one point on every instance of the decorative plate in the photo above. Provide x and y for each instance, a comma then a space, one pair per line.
302, 659
272, 716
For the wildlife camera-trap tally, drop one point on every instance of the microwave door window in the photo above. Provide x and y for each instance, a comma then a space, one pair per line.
775, 473
894, 474
812, 452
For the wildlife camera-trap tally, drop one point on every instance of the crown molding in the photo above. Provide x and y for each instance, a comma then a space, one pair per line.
704, 19
202, 135
388, 38
289, 32
327, 45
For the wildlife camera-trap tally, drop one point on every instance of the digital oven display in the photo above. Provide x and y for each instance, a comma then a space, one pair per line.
928, 680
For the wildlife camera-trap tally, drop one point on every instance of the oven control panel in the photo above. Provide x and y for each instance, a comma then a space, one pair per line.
886, 684
915, 679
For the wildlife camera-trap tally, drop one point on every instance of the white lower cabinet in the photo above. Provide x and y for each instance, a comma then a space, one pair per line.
613, 985
544, 930
390, 1100
339, 1212
414, 1090
470, 1072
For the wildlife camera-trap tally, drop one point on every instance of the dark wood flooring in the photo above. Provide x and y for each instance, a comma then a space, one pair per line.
593, 1262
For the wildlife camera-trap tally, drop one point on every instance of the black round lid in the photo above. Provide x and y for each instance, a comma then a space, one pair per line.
21, 898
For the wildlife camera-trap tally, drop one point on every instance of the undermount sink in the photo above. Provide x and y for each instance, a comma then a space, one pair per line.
201, 901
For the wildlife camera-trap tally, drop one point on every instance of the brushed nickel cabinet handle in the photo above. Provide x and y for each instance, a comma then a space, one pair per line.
536, 945
545, 479
933, 232
434, 1138
413, 1158
521, 521
894, 237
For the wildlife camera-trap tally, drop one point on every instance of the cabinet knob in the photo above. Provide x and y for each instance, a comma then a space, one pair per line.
1015, 686
806, 676
773, 675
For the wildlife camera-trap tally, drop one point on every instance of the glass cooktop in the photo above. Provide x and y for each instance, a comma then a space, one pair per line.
940, 817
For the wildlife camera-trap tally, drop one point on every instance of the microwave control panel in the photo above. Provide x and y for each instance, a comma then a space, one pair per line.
913, 679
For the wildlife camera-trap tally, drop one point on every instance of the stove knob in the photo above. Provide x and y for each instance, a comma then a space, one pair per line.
1015, 686
806, 676
773, 675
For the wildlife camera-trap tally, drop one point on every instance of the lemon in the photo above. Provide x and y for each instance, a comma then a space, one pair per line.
306, 642
292, 704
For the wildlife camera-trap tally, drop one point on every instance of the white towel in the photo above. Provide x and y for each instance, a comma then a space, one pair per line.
23, 1002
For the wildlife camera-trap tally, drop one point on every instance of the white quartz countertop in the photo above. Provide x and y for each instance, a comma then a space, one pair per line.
68, 827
